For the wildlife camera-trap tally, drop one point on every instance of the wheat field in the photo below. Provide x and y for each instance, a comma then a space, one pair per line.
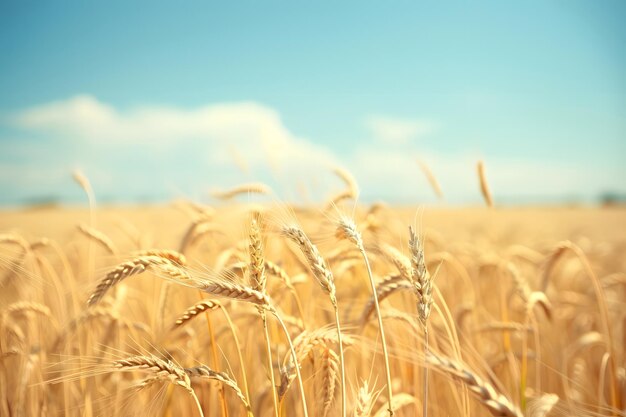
272, 309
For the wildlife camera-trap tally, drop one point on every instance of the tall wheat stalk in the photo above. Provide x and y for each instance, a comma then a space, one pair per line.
346, 229
422, 284
258, 280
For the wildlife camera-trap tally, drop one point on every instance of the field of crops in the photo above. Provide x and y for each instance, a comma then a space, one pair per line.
241, 308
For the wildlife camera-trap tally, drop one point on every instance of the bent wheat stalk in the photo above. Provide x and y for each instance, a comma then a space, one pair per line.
204, 371
432, 180
99, 237
251, 188
325, 279
497, 403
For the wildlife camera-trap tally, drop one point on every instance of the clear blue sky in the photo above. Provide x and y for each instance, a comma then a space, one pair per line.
524, 85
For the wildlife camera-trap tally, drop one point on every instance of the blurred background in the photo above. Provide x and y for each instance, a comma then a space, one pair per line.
155, 100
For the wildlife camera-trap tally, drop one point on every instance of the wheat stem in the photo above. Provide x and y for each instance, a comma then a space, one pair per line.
195, 398
341, 363
295, 358
269, 362
382, 330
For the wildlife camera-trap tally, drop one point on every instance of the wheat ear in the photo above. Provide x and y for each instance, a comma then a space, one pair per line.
193, 312
364, 401
160, 370
330, 372
135, 266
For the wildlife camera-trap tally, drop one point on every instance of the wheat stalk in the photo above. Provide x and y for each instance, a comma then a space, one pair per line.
432, 180
278, 272
402, 264
258, 280
498, 404
22, 307
99, 237
171, 255
422, 282
346, 229
384, 289
16, 240
399, 400
484, 186
239, 292
251, 188
204, 371
349, 180
325, 279
192, 231
306, 341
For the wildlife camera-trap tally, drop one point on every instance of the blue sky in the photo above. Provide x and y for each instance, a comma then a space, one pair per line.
195, 97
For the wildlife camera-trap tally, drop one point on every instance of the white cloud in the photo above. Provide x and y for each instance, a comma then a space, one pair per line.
394, 131
256, 131
157, 149
80, 115
182, 140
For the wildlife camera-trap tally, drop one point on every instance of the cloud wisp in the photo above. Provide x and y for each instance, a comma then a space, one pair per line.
398, 131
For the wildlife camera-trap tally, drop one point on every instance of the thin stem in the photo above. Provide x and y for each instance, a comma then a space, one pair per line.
214, 355
269, 360
606, 323
295, 359
524, 368
341, 361
425, 382
382, 329
298, 305
195, 397
241, 363
215, 363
